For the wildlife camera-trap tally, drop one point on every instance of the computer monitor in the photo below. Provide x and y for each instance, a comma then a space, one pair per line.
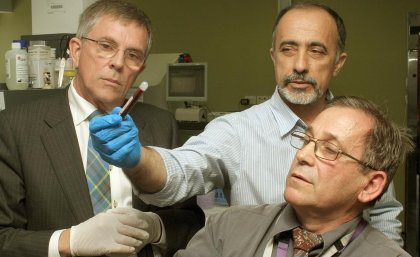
186, 82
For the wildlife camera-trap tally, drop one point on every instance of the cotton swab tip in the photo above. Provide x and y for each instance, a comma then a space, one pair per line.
144, 85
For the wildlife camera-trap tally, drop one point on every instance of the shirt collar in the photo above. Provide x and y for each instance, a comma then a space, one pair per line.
329, 95
287, 221
285, 117
334, 235
80, 108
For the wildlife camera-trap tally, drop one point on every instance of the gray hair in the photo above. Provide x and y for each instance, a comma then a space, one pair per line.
121, 10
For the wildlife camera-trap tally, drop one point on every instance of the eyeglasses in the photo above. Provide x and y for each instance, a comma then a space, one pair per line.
106, 49
323, 149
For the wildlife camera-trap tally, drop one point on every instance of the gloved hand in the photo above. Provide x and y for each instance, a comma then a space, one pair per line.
116, 139
148, 221
108, 233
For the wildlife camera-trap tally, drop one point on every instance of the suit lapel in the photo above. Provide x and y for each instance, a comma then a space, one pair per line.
61, 145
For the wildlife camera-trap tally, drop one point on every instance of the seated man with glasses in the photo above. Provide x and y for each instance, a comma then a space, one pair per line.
346, 160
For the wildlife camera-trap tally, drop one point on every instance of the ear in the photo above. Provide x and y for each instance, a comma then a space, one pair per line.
75, 46
376, 181
339, 64
272, 55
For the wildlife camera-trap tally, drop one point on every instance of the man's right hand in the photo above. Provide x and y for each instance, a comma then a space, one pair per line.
107, 233
116, 139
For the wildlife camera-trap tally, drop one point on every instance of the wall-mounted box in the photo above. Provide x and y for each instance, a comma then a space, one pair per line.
56, 16
6, 6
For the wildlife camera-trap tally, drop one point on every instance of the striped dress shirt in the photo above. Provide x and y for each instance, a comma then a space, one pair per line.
248, 154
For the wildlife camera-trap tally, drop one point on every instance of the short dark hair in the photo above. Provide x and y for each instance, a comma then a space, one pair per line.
307, 5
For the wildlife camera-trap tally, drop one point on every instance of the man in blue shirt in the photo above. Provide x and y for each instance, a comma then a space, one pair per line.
248, 153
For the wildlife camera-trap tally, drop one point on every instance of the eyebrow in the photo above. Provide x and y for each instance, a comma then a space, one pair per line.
110, 40
309, 129
288, 42
319, 44
329, 135
312, 44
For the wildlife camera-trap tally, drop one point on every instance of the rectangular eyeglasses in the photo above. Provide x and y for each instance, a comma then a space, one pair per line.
323, 149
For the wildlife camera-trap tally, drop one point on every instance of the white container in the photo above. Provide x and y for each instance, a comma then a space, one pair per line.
52, 71
69, 72
16, 63
39, 65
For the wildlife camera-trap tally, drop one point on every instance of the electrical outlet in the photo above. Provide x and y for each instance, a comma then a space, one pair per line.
261, 98
251, 99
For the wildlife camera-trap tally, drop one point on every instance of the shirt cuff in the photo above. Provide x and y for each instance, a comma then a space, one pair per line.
53, 244
160, 247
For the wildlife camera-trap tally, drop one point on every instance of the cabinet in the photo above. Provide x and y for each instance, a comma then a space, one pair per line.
10, 98
6, 6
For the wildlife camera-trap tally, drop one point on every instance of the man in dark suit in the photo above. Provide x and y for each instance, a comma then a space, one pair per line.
45, 205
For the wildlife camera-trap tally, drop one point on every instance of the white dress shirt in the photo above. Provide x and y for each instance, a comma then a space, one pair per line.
121, 189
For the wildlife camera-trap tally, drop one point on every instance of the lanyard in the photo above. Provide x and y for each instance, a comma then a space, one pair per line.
359, 229
283, 246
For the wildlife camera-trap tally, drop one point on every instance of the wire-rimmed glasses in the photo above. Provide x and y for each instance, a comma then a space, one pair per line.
323, 149
107, 49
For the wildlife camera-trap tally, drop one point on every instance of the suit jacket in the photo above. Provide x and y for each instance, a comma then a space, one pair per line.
246, 230
43, 186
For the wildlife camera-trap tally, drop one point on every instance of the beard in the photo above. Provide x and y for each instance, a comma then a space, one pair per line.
299, 95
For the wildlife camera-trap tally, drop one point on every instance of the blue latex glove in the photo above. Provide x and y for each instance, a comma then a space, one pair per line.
116, 139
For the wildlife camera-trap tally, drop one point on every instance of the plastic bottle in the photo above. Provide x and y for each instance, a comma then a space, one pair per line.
39, 64
69, 72
51, 80
16, 63
23, 43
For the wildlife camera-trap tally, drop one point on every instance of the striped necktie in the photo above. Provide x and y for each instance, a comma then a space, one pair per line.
97, 175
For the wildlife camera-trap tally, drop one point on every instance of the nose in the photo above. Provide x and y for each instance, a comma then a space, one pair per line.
301, 62
117, 61
306, 155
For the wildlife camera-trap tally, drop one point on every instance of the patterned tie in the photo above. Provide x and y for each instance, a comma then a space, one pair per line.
97, 175
304, 241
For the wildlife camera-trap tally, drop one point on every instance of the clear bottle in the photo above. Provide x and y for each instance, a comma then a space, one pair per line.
16, 63
69, 72
39, 64
50, 78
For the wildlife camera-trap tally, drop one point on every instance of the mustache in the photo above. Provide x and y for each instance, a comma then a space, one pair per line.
301, 77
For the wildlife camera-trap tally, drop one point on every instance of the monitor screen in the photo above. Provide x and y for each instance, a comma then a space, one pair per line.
186, 82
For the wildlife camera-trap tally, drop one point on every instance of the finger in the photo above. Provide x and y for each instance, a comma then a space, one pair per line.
122, 248
105, 135
131, 217
133, 233
124, 210
124, 150
113, 145
128, 118
123, 141
115, 158
116, 110
103, 122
